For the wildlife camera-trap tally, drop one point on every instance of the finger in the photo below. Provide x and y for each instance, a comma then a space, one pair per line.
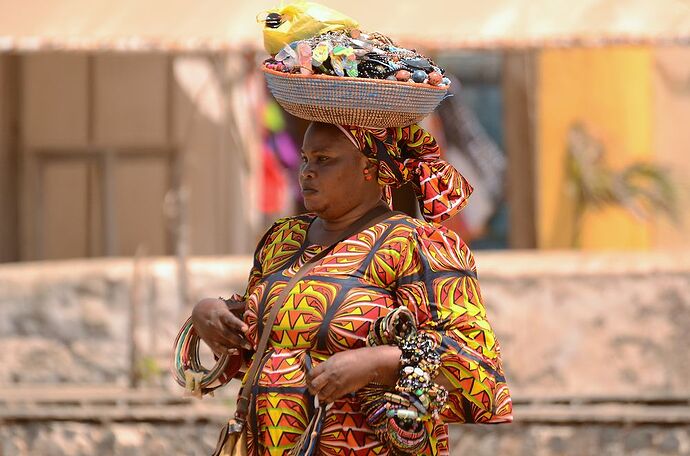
328, 393
217, 349
228, 339
237, 339
318, 383
232, 322
230, 335
223, 348
318, 369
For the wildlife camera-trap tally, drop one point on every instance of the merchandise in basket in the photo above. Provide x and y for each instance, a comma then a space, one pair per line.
354, 78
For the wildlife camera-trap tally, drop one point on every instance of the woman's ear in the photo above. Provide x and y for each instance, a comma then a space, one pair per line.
373, 169
369, 165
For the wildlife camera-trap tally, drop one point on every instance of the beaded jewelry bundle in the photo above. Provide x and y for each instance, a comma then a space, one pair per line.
397, 416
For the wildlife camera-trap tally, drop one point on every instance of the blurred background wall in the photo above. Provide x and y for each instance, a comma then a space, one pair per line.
83, 133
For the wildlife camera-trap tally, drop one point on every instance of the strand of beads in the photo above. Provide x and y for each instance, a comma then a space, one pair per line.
420, 363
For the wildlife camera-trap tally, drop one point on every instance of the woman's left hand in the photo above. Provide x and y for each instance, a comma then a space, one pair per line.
347, 371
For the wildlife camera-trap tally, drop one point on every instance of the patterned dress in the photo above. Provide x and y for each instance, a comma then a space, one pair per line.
398, 262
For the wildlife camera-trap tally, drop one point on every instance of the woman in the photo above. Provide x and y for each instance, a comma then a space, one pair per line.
318, 343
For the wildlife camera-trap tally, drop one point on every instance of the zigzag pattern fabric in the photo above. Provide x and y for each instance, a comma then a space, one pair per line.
399, 262
411, 154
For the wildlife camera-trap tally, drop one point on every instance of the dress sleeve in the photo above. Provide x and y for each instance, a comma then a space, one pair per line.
437, 281
241, 360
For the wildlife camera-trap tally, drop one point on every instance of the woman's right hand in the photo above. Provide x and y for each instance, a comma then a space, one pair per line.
218, 327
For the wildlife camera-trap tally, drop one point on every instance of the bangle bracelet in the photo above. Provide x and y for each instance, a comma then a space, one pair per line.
187, 368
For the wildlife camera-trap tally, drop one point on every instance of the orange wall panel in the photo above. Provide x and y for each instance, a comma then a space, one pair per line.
608, 90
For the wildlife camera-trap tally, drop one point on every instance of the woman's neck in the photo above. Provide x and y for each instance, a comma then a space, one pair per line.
325, 231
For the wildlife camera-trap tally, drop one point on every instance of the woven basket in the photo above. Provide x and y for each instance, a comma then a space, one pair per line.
373, 103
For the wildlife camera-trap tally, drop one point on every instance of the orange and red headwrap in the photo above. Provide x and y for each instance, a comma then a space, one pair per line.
411, 154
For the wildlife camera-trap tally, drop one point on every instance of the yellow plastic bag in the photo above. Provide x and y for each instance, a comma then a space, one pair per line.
301, 20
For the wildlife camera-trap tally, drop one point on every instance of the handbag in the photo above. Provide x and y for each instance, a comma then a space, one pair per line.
232, 440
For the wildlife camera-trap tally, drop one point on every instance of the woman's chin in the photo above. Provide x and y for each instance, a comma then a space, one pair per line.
312, 203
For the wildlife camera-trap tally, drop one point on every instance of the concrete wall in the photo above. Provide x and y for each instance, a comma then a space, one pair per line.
570, 324
68, 322
198, 439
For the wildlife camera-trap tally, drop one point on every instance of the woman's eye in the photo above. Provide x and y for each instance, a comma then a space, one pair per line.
318, 159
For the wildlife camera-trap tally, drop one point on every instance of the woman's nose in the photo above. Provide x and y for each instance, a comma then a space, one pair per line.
307, 170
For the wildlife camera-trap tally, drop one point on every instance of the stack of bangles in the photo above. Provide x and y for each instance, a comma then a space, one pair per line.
188, 370
397, 416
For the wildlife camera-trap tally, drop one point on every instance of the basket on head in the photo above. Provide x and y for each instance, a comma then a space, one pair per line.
374, 103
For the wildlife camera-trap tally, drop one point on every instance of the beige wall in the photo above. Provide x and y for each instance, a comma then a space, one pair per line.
222, 164
122, 106
130, 100
130, 110
54, 113
71, 101
200, 139
54, 100
671, 121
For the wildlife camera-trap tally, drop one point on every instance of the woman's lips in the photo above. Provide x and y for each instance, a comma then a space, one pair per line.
309, 191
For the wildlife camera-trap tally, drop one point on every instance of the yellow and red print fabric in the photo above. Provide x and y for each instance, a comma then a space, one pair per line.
399, 262
411, 154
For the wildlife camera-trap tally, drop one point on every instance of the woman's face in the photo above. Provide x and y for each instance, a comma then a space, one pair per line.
332, 173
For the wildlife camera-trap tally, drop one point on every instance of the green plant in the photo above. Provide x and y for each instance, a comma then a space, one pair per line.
148, 369
643, 189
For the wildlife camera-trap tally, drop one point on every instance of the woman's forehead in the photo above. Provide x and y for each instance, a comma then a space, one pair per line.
321, 137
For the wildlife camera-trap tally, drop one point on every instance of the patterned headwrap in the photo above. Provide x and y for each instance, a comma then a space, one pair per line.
410, 154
